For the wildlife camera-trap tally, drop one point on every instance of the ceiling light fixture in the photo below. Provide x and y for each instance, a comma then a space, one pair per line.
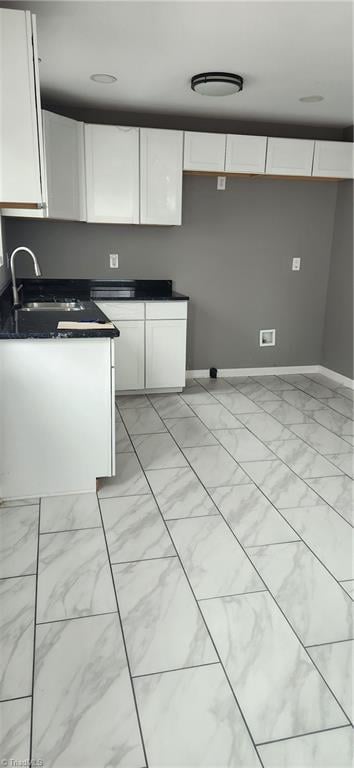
102, 78
311, 99
217, 83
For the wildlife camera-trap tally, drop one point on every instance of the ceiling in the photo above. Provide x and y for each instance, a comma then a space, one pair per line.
284, 50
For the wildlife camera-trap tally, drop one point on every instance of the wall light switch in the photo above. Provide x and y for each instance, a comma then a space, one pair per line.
113, 260
296, 265
221, 183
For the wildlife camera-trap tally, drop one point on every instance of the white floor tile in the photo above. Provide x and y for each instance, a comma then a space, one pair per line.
279, 690
315, 605
73, 575
338, 492
257, 392
15, 727
131, 401
214, 466
162, 625
243, 445
179, 493
335, 662
264, 426
344, 462
237, 403
302, 401
142, 421
122, 440
171, 406
335, 422
281, 486
18, 540
303, 459
62, 513
195, 394
349, 587
134, 529
285, 413
329, 536
190, 719
320, 438
158, 451
330, 749
216, 416
128, 481
17, 607
342, 405
190, 432
251, 516
214, 561
273, 382
84, 712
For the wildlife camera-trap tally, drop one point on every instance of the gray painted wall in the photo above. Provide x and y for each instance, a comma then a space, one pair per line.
338, 329
232, 256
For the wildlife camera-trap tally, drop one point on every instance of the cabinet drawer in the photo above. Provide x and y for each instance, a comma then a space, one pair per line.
122, 310
166, 310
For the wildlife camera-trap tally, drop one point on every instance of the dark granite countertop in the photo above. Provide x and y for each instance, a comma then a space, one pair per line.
17, 324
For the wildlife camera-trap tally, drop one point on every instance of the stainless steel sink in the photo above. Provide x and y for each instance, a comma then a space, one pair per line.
58, 306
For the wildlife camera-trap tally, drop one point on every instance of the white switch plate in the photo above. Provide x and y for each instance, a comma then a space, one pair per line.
113, 260
221, 183
296, 264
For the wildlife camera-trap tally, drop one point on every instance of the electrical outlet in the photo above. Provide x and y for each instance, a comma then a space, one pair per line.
113, 260
221, 183
296, 264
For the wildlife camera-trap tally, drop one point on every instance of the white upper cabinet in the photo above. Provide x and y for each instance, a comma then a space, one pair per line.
112, 173
20, 176
161, 154
64, 167
204, 151
245, 154
334, 158
290, 157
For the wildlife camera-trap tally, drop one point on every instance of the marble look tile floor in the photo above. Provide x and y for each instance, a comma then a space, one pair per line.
198, 611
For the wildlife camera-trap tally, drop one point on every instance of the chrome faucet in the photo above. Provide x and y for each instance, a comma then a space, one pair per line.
12, 267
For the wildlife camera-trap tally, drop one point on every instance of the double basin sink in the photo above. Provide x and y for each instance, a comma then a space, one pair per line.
57, 306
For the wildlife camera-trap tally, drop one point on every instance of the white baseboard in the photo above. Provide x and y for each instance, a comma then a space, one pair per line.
268, 371
277, 370
338, 377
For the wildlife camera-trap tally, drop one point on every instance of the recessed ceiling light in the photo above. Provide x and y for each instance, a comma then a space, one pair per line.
216, 83
102, 78
311, 99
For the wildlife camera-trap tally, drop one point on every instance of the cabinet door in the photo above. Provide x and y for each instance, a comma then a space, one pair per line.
20, 178
204, 151
130, 355
290, 157
245, 154
112, 173
165, 353
160, 176
63, 142
334, 158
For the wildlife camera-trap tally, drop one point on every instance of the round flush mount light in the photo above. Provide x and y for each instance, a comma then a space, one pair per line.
103, 78
311, 99
216, 83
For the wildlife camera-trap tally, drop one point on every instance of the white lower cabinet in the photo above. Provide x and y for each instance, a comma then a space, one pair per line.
150, 353
130, 354
165, 353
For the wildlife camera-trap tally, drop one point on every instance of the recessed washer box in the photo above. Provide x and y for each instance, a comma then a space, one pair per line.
267, 337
